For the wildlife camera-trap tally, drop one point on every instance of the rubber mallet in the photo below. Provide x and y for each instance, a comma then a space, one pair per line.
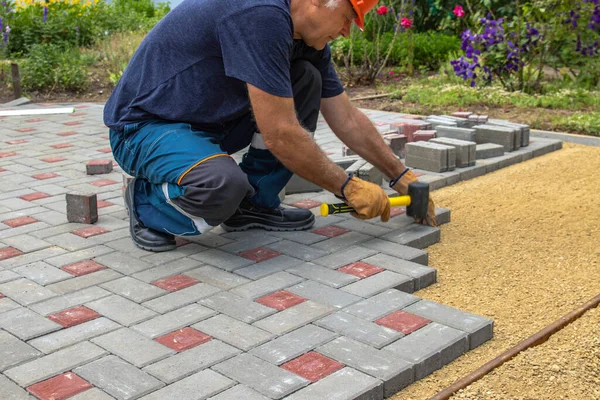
416, 202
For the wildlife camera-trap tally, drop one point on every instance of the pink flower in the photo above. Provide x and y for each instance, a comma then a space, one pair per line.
406, 23
459, 12
382, 10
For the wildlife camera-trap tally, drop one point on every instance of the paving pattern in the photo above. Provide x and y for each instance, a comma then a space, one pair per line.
328, 313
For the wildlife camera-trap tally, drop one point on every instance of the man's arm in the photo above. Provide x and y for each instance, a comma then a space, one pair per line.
355, 129
290, 143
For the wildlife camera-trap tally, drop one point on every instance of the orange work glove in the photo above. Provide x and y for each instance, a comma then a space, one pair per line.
368, 199
402, 187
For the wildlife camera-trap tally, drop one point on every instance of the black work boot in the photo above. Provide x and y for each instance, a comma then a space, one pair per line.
144, 237
272, 219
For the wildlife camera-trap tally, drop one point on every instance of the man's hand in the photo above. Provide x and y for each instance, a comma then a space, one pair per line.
402, 187
369, 200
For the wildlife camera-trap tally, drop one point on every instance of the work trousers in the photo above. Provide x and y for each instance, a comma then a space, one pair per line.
187, 183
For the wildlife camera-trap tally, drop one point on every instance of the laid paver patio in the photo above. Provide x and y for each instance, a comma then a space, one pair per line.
325, 313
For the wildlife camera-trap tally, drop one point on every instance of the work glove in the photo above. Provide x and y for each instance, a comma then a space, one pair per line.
367, 199
402, 188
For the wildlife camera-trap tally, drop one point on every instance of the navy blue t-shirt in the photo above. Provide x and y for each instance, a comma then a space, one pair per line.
194, 64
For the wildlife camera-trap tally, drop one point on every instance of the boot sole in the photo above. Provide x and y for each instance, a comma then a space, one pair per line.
266, 227
143, 246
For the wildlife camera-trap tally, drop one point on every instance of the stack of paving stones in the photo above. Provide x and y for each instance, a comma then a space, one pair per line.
84, 314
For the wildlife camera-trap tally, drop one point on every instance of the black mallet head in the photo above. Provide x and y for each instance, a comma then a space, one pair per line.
419, 199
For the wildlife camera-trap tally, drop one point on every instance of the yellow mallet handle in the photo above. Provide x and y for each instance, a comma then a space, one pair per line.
339, 208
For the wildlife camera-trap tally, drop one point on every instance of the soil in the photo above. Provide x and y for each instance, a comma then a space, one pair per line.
523, 248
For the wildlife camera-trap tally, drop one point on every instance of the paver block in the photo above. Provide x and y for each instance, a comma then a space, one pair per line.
26, 292
118, 378
466, 134
349, 255
96, 167
191, 361
234, 332
355, 167
300, 185
121, 310
266, 268
280, 300
294, 317
56, 363
133, 347
430, 156
173, 320
312, 366
181, 298
14, 351
347, 384
92, 394
237, 307
342, 242
82, 208
266, 285
26, 324
395, 373
183, 339
417, 235
222, 260
525, 129
59, 387
380, 282
293, 344
398, 250
162, 271
297, 250
66, 301
497, 134
133, 289
421, 136
272, 381
382, 304
430, 348
78, 333
488, 150
12, 391
239, 392
323, 294
480, 329
322, 275
217, 277
201, 385
423, 276
358, 329
41, 273
84, 281
370, 173
465, 151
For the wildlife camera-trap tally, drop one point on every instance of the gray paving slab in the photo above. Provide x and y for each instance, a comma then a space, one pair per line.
14, 351
358, 329
423, 276
239, 392
133, 289
180, 298
324, 294
201, 385
345, 384
173, 320
118, 378
121, 310
266, 378
26, 292
269, 284
26, 324
322, 275
217, 277
294, 317
60, 303
234, 332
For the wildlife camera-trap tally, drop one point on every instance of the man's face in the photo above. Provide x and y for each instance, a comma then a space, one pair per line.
329, 23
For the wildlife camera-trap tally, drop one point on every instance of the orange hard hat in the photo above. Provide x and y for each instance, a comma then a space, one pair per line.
362, 7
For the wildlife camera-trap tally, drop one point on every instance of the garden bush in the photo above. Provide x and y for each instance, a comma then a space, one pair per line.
52, 66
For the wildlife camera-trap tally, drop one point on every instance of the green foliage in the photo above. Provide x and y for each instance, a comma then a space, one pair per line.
430, 49
52, 66
588, 122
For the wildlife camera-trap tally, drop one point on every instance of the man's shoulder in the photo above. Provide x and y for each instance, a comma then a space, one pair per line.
262, 5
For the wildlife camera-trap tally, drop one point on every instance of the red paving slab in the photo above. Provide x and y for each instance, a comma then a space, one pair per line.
397, 211
34, 120
60, 387
16, 222
19, 141
83, 267
53, 159
9, 252
403, 322
306, 204
313, 366
7, 154
46, 175
90, 231
72, 123
74, 316
105, 150
330, 231
103, 182
183, 339
23, 130
103, 203
62, 145
176, 282
34, 196
280, 300
70, 133
259, 254
360, 269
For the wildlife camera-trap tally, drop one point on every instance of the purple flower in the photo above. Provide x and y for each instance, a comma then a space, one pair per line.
45, 13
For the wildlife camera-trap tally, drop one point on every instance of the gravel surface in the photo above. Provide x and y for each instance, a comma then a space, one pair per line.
523, 248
